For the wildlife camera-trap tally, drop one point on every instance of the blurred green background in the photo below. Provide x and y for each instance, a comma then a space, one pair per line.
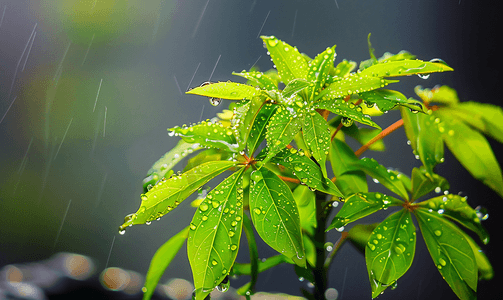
104, 79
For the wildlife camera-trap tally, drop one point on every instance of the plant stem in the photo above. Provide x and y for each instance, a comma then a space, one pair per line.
336, 247
381, 135
320, 272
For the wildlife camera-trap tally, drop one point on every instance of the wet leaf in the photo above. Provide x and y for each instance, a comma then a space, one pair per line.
258, 129
161, 260
341, 70
208, 134
456, 208
263, 265
359, 235
486, 118
211, 154
390, 250
294, 87
258, 79
317, 137
352, 84
161, 167
308, 172
275, 215
318, 70
348, 110
385, 177
360, 205
423, 183
214, 235
168, 194
289, 62
306, 204
450, 251
443, 94
226, 90
472, 150
485, 268
404, 67
281, 129
349, 182
425, 138
386, 100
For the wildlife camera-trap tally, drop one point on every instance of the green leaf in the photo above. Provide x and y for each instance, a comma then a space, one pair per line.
342, 69
472, 150
226, 90
359, 235
364, 135
450, 251
386, 177
349, 182
258, 129
161, 167
258, 79
211, 154
386, 100
318, 70
294, 87
208, 134
354, 83
281, 129
484, 265
456, 208
442, 94
360, 205
317, 137
289, 62
390, 250
161, 260
425, 138
263, 265
306, 204
423, 183
306, 170
345, 109
166, 195
214, 235
275, 215
486, 118
404, 67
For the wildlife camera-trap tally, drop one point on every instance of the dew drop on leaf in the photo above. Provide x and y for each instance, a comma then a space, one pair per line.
423, 76
215, 101
482, 213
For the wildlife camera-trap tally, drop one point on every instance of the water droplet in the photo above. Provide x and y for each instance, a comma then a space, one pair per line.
192, 226
122, 231
204, 206
214, 262
256, 210
328, 246
442, 262
340, 229
331, 294
234, 247
215, 101
148, 222
144, 289
143, 197
482, 213
301, 279
394, 285
128, 218
438, 190
346, 122
438, 232
225, 284
423, 76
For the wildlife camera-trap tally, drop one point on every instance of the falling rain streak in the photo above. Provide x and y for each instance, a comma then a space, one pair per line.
98, 94
8, 108
200, 18
59, 70
29, 51
294, 21
105, 122
63, 139
263, 24
177, 85
22, 166
100, 192
211, 75
3, 15
61, 227
197, 68
87, 51
110, 252
256, 62
20, 59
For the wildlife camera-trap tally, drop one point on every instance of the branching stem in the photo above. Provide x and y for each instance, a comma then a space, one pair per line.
381, 135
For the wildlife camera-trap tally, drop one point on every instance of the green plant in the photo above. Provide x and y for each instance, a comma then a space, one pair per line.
288, 192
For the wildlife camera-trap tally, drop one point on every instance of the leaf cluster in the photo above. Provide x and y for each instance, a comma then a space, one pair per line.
302, 110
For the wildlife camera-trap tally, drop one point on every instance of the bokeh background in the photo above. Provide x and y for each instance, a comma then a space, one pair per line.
88, 88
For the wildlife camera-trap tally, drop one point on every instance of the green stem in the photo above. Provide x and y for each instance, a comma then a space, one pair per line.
320, 272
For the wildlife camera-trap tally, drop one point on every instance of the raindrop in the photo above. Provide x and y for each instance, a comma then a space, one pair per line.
224, 285
122, 231
394, 285
347, 122
438, 232
328, 246
340, 229
438, 190
215, 101
482, 213
331, 294
423, 76
148, 222
301, 279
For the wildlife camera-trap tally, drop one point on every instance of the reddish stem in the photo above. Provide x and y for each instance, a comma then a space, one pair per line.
381, 135
288, 179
